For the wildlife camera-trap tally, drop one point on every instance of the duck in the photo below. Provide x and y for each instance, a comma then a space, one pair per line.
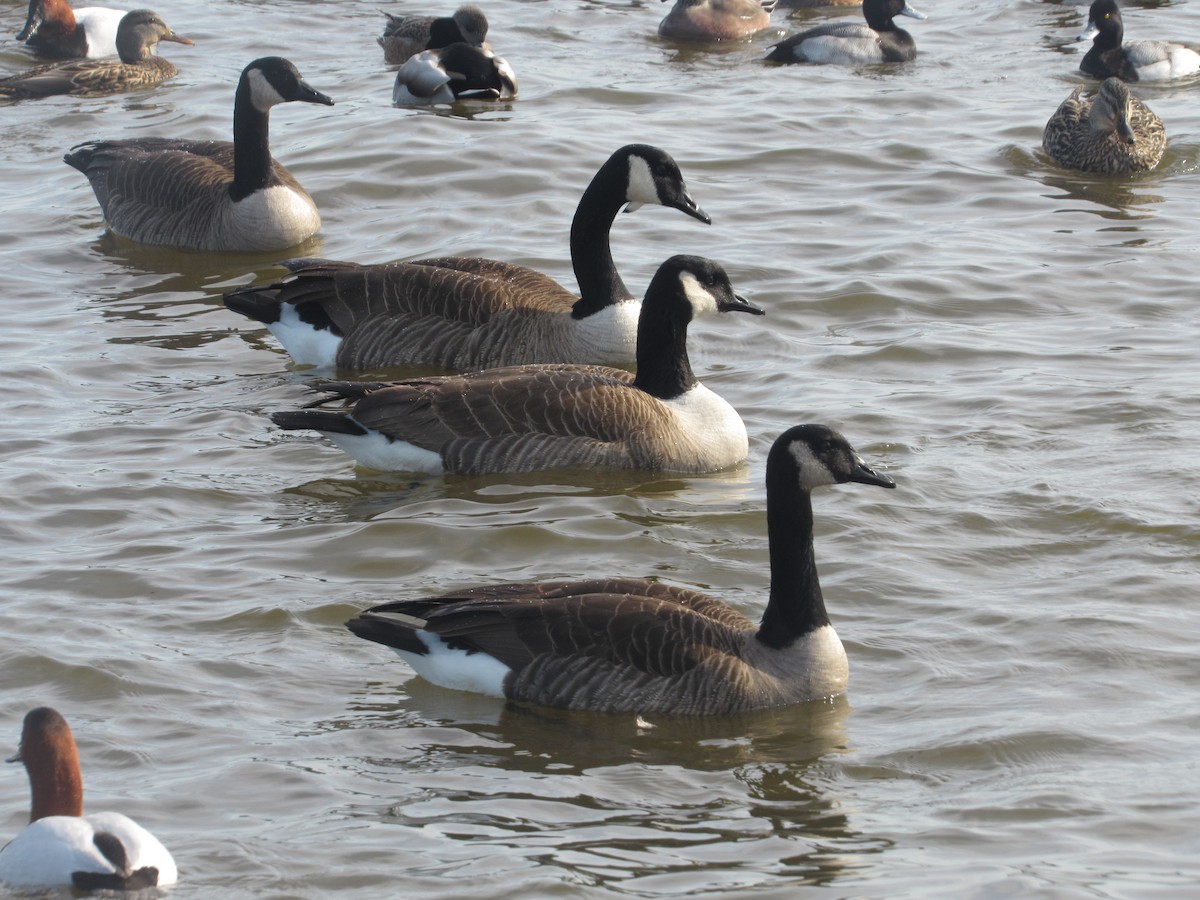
454, 73
1133, 61
1111, 132
716, 20
209, 195
536, 417
849, 43
135, 67
63, 847
52, 29
631, 645
406, 36
474, 313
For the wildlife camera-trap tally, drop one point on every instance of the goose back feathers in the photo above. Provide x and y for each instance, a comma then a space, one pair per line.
62, 846
1111, 132
527, 418
406, 36
1109, 56
209, 195
469, 312
135, 67
879, 40
52, 29
633, 646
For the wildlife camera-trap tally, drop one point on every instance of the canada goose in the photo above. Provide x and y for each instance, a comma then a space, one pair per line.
625, 645
62, 846
1133, 61
526, 418
457, 72
1112, 132
55, 30
879, 41
405, 36
716, 20
136, 67
472, 313
208, 195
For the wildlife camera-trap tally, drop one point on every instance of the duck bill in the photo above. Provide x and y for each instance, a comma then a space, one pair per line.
740, 304
32, 24
177, 39
1088, 34
912, 13
864, 474
1125, 132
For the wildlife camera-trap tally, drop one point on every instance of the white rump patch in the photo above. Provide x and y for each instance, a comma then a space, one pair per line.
457, 669
374, 451
306, 345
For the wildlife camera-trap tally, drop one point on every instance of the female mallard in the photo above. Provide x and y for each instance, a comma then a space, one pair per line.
1112, 132
853, 43
627, 645
209, 195
406, 36
1109, 56
136, 67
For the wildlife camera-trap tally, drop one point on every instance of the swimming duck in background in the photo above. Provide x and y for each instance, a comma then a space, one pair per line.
626, 645
851, 43
1135, 60
530, 418
716, 20
55, 30
406, 36
457, 72
137, 66
470, 312
62, 846
209, 195
1112, 132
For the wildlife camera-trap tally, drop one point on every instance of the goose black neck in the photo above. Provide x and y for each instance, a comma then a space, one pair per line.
251, 149
591, 256
663, 369
796, 606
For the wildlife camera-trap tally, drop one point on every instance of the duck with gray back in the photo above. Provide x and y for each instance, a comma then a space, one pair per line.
406, 36
880, 40
452, 74
209, 195
1111, 56
530, 418
1111, 132
54, 30
135, 67
61, 846
626, 645
474, 313
716, 20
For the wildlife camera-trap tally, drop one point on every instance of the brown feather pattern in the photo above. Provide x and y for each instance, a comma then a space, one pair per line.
1077, 138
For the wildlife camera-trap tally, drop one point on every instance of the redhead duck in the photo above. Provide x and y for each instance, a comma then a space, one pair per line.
55, 30
62, 846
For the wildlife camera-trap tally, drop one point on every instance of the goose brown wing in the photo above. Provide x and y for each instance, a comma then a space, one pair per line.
537, 290
155, 176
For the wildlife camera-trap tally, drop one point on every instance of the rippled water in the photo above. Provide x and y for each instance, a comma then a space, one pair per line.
1014, 343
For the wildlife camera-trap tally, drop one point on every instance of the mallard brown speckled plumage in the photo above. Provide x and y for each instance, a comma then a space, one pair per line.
405, 36
627, 645
1111, 132
136, 67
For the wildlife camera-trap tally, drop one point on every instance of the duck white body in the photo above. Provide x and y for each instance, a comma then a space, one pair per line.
61, 846
53, 29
